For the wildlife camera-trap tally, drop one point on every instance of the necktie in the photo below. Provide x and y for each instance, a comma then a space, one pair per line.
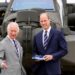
45, 40
16, 48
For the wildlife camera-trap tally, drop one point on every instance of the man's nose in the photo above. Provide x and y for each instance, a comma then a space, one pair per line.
12, 32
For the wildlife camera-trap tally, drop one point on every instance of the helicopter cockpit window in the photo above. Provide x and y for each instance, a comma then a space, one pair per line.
29, 4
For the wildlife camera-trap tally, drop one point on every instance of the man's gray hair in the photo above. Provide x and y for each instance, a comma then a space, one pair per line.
13, 24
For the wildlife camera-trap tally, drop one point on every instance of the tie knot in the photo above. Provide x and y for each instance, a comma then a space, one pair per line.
45, 34
13, 40
45, 31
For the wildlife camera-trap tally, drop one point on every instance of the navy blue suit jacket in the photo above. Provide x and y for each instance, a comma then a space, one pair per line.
57, 47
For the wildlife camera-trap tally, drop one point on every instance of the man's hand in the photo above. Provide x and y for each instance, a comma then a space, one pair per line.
4, 64
48, 57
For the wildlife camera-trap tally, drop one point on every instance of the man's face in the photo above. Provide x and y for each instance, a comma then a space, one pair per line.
44, 21
12, 32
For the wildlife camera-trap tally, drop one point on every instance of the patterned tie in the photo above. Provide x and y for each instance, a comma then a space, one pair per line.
16, 48
45, 40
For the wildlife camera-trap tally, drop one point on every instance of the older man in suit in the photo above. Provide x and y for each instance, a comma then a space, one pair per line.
50, 44
11, 52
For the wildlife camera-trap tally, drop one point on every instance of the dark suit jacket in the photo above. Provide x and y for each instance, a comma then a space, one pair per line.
57, 47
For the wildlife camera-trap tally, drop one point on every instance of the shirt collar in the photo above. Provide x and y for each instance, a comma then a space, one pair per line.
48, 30
10, 38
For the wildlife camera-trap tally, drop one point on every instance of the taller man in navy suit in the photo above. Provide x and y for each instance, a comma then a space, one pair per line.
56, 48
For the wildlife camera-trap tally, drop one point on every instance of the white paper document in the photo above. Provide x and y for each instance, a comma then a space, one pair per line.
38, 57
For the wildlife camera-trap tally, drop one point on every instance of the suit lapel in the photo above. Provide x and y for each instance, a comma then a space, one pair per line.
50, 35
20, 49
12, 46
41, 38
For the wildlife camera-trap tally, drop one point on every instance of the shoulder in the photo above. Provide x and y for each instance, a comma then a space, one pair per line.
39, 34
56, 31
3, 41
2, 45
